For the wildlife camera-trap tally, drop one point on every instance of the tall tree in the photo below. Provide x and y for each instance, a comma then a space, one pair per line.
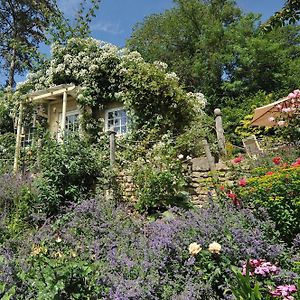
63, 29
23, 24
216, 49
290, 13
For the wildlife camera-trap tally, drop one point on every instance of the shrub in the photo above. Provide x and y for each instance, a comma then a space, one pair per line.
98, 251
158, 175
15, 198
279, 193
68, 173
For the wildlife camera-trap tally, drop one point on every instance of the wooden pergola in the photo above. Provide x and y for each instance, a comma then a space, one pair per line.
56, 94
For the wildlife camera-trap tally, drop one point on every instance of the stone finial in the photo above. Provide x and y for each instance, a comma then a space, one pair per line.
217, 112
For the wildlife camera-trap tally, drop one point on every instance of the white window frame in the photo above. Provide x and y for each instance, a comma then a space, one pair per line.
120, 126
68, 114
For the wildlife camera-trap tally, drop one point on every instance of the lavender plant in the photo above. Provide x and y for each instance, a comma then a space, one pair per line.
98, 250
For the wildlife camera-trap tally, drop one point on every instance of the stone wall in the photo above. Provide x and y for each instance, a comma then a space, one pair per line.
201, 180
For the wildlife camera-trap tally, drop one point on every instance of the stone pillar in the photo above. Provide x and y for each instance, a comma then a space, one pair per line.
220, 131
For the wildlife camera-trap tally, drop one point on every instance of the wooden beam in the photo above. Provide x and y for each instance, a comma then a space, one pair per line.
63, 115
18, 140
49, 94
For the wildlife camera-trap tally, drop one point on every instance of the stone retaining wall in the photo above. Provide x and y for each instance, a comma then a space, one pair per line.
200, 180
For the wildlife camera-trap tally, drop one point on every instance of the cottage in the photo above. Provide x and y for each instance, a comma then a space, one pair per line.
59, 107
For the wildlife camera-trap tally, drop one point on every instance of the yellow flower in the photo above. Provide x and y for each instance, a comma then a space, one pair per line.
194, 248
214, 248
36, 250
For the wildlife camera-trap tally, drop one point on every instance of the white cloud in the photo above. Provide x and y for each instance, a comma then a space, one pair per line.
69, 7
108, 27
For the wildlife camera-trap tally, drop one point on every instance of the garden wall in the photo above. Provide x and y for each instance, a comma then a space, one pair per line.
201, 180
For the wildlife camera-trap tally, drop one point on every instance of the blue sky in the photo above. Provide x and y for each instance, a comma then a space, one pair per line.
116, 18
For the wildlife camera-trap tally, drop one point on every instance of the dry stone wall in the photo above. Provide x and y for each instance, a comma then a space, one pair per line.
201, 180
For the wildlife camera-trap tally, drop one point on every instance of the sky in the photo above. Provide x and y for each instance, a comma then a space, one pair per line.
116, 18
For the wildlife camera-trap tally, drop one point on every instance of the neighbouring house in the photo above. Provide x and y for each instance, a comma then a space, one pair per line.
59, 107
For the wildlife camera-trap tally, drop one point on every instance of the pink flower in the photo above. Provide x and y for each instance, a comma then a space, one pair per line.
281, 123
242, 182
271, 119
297, 93
292, 96
287, 109
237, 160
276, 160
285, 291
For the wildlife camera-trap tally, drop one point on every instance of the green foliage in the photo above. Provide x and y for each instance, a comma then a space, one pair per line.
242, 289
216, 49
290, 13
159, 179
56, 275
237, 115
279, 194
68, 173
23, 28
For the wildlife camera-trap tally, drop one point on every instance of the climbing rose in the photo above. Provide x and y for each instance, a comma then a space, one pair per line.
242, 182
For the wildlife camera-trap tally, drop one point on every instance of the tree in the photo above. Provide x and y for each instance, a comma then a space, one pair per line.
218, 50
27, 23
290, 13
62, 29
23, 24
192, 39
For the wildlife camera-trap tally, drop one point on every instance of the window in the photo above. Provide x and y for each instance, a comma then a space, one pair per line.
116, 119
72, 122
27, 136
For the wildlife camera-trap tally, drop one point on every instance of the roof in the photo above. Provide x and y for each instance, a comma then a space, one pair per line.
53, 93
262, 114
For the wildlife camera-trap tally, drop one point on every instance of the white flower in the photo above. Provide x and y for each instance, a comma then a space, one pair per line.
281, 123
172, 76
214, 248
194, 248
180, 156
160, 65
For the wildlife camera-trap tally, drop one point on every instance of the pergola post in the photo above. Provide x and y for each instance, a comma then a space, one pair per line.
63, 115
18, 139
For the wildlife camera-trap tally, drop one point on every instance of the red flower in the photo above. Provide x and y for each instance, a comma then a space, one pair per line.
242, 182
276, 160
222, 188
269, 173
237, 160
296, 163
236, 202
232, 195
